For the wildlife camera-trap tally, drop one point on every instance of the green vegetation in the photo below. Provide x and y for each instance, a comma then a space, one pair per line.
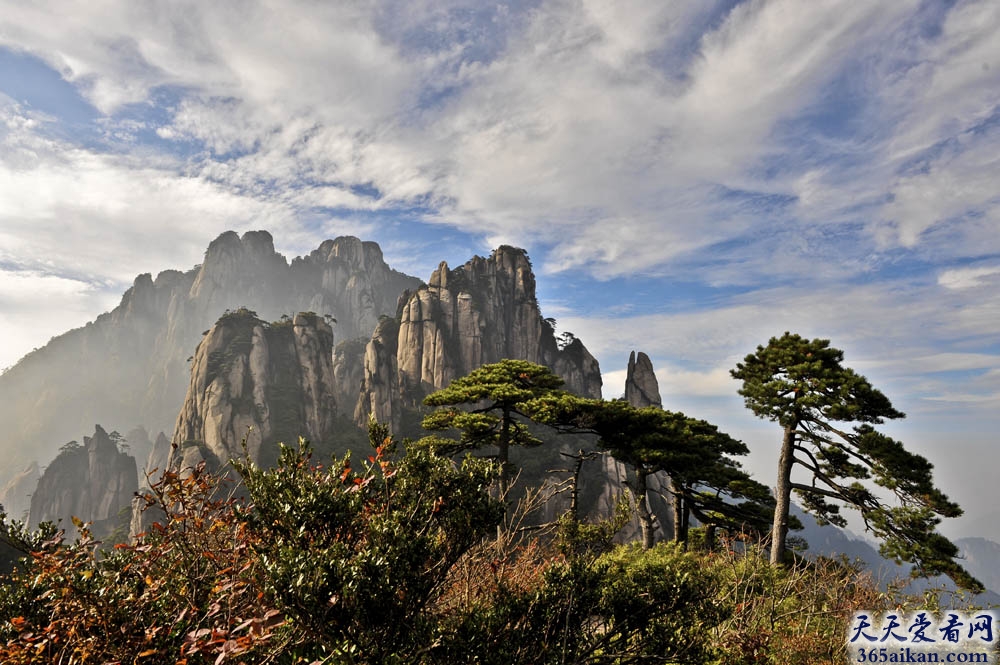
801, 385
387, 561
694, 454
497, 394
402, 554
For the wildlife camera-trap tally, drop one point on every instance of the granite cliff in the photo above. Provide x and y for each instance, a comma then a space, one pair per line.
478, 313
641, 390
260, 382
15, 495
641, 386
129, 367
92, 482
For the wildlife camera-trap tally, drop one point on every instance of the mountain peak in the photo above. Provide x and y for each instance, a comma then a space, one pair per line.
480, 312
641, 386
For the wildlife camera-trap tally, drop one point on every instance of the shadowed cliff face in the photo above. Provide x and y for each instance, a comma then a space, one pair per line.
641, 386
92, 482
260, 382
129, 366
481, 312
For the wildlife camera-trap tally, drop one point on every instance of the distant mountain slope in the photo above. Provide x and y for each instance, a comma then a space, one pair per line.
129, 366
982, 559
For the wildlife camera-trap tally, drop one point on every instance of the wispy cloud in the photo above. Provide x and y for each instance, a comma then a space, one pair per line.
547, 124
967, 278
785, 149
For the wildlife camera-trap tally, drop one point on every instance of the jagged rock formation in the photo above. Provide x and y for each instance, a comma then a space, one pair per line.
262, 382
15, 495
348, 373
92, 482
129, 365
641, 386
481, 312
641, 390
156, 461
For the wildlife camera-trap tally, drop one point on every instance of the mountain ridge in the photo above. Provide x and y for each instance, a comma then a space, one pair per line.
129, 365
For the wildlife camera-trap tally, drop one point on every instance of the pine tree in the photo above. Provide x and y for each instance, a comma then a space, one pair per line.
827, 413
496, 393
704, 479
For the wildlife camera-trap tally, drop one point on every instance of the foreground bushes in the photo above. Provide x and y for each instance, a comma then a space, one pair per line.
399, 559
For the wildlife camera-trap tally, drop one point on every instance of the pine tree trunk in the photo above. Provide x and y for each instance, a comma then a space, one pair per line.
645, 516
504, 452
680, 509
685, 524
709, 537
783, 496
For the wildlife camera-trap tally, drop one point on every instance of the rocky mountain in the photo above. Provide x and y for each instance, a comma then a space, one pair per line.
641, 386
129, 366
641, 390
478, 313
981, 557
15, 497
260, 382
92, 482
156, 461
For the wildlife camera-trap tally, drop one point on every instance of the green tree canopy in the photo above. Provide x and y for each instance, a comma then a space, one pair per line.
704, 479
495, 395
828, 413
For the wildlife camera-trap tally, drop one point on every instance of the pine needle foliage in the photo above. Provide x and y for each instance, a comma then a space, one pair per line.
827, 413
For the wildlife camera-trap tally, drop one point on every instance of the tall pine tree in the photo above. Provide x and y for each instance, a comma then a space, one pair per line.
827, 413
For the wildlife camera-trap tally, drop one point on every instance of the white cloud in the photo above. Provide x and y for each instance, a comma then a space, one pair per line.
557, 123
567, 129
967, 278
898, 335
35, 306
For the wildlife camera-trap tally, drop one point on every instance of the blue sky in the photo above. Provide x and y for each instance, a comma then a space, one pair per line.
690, 178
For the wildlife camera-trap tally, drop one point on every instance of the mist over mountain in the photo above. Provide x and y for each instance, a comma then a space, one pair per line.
248, 342
130, 366
978, 555
15, 496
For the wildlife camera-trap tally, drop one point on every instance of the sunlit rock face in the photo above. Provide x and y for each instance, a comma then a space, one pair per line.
93, 482
478, 313
260, 383
15, 496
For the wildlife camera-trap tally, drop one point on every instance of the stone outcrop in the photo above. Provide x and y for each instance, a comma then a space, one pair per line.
348, 373
156, 461
379, 396
130, 365
92, 482
642, 390
481, 312
260, 382
15, 495
641, 386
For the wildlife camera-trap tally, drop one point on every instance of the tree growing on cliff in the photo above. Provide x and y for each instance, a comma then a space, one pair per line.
827, 413
497, 394
705, 480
